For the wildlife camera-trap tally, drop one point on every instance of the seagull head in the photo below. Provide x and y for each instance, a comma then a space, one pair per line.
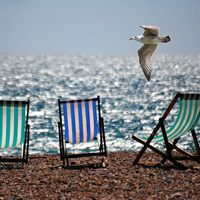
134, 38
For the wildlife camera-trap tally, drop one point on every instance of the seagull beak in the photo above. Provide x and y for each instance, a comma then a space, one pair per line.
131, 39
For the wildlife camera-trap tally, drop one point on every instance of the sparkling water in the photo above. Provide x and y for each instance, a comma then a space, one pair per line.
130, 104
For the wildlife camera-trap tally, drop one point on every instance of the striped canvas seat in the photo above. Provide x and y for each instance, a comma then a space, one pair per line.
14, 128
80, 122
186, 121
12, 123
80, 119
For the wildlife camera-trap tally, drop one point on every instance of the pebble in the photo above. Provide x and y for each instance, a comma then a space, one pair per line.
45, 178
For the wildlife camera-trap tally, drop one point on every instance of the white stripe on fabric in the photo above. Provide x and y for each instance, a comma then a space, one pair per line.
192, 119
180, 119
173, 130
177, 133
197, 116
189, 125
4, 124
84, 122
77, 122
19, 123
194, 107
11, 123
69, 123
185, 119
91, 119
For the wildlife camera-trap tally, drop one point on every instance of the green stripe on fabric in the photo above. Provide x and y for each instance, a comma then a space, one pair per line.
188, 123
7, 125
184, 115
1, 122
187, 119
171, 130
196, 120
183, 123
15, 123
195, 115
23, 122
195, 123
186, 126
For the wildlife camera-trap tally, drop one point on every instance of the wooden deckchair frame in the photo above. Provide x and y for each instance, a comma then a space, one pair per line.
25, 145
169, 145
63, 150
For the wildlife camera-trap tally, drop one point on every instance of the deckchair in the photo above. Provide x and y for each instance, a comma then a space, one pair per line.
80, 124
14, 128
187, 119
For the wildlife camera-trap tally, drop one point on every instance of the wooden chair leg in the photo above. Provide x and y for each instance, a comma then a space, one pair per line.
144, 148
147, 145
174, 143
168, 146
150, 147
165, 156
196, 142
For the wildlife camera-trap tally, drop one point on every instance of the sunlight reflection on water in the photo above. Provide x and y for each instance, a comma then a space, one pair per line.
130, 105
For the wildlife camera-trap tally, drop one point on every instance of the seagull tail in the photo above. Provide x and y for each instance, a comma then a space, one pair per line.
165, 39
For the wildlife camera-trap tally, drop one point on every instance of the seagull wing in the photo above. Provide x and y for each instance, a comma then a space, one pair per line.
150, 30
145, 53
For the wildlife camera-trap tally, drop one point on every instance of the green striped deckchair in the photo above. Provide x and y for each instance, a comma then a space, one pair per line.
14, 128
80, 125
187, 119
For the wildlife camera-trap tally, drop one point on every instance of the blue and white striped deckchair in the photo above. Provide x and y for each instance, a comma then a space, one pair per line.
81, 125
80, 121
187, 118
14, 128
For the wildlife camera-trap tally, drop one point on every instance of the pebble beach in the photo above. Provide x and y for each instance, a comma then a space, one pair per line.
45, 178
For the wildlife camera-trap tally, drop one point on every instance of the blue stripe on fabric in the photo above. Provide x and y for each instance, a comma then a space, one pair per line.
66, 122
88, 120
73, 122
95, 118
80, 116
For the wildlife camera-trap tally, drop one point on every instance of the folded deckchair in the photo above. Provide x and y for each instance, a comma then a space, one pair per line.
79, 120
187, 119
14, 128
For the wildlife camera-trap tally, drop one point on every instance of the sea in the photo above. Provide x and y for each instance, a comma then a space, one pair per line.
129, 103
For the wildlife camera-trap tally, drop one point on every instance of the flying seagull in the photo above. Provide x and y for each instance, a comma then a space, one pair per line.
150, 39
